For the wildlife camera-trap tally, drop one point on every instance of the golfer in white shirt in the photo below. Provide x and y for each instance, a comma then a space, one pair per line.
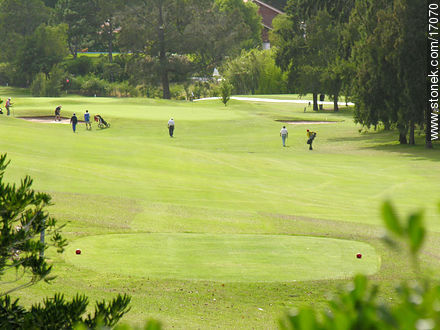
171, 127
284, 134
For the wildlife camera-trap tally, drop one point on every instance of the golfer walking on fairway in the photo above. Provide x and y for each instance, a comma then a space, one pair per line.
284, 134
87, 120
171, 127
74, 121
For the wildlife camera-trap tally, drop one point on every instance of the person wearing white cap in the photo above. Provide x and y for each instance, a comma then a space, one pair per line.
171, 127
7, 105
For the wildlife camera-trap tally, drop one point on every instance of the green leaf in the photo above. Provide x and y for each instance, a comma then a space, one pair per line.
307, 319
153, 325
392, 222
416, 232
360, 286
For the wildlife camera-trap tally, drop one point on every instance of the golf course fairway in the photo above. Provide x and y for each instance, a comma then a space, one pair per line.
220, 226
236, 258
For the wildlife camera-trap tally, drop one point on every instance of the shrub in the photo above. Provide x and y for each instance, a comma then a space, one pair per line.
82, 65
75, 84
178, 92
48, 86
124, 89
255, 71
150, 91
225, 91
94, 86
112, 72
38, 85
55, 82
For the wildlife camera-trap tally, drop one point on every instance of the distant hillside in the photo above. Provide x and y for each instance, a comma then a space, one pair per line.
278, 4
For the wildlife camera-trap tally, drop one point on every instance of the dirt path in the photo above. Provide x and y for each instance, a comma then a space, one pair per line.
257, 99
300, 122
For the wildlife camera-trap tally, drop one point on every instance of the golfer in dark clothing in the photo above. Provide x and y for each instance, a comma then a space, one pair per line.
74, 121
171, 127
311, 136
57, 113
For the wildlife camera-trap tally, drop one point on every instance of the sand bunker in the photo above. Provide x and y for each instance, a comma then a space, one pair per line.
301, 122
48, 120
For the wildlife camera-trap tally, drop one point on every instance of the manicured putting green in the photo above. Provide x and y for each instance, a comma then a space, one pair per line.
233, 258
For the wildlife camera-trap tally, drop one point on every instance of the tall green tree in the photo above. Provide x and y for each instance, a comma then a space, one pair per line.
309, 45
410, 60
247, 12
81, 17
19, 19
389, 84
297, 54
160, 32
374, 72
50, 3
109, 17
42, 50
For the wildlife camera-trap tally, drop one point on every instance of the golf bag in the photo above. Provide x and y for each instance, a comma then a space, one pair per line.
310, 140
101, 122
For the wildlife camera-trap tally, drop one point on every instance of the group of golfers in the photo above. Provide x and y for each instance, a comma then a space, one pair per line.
310, 137
74, 121
74, 118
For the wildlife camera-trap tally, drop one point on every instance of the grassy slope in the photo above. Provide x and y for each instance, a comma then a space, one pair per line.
225, 172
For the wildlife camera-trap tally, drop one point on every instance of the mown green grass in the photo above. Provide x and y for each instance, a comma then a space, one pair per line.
224, 258
225, 173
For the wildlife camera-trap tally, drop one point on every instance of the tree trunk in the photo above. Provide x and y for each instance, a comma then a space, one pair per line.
163, 59
428, 142
110, 42
335, 103
321, 99
315, 101
412, 139
402, 137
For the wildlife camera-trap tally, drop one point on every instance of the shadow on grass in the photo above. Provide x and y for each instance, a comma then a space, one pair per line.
387, 141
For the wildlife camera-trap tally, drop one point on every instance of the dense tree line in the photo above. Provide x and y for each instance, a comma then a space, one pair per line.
167, 38
370, 50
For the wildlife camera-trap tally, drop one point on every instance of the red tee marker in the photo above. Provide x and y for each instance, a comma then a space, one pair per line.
78, 251
359, 256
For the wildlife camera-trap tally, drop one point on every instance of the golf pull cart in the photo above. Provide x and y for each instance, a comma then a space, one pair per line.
101, 122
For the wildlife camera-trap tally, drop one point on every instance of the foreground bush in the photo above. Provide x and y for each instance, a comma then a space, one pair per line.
25, 229
358, 307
